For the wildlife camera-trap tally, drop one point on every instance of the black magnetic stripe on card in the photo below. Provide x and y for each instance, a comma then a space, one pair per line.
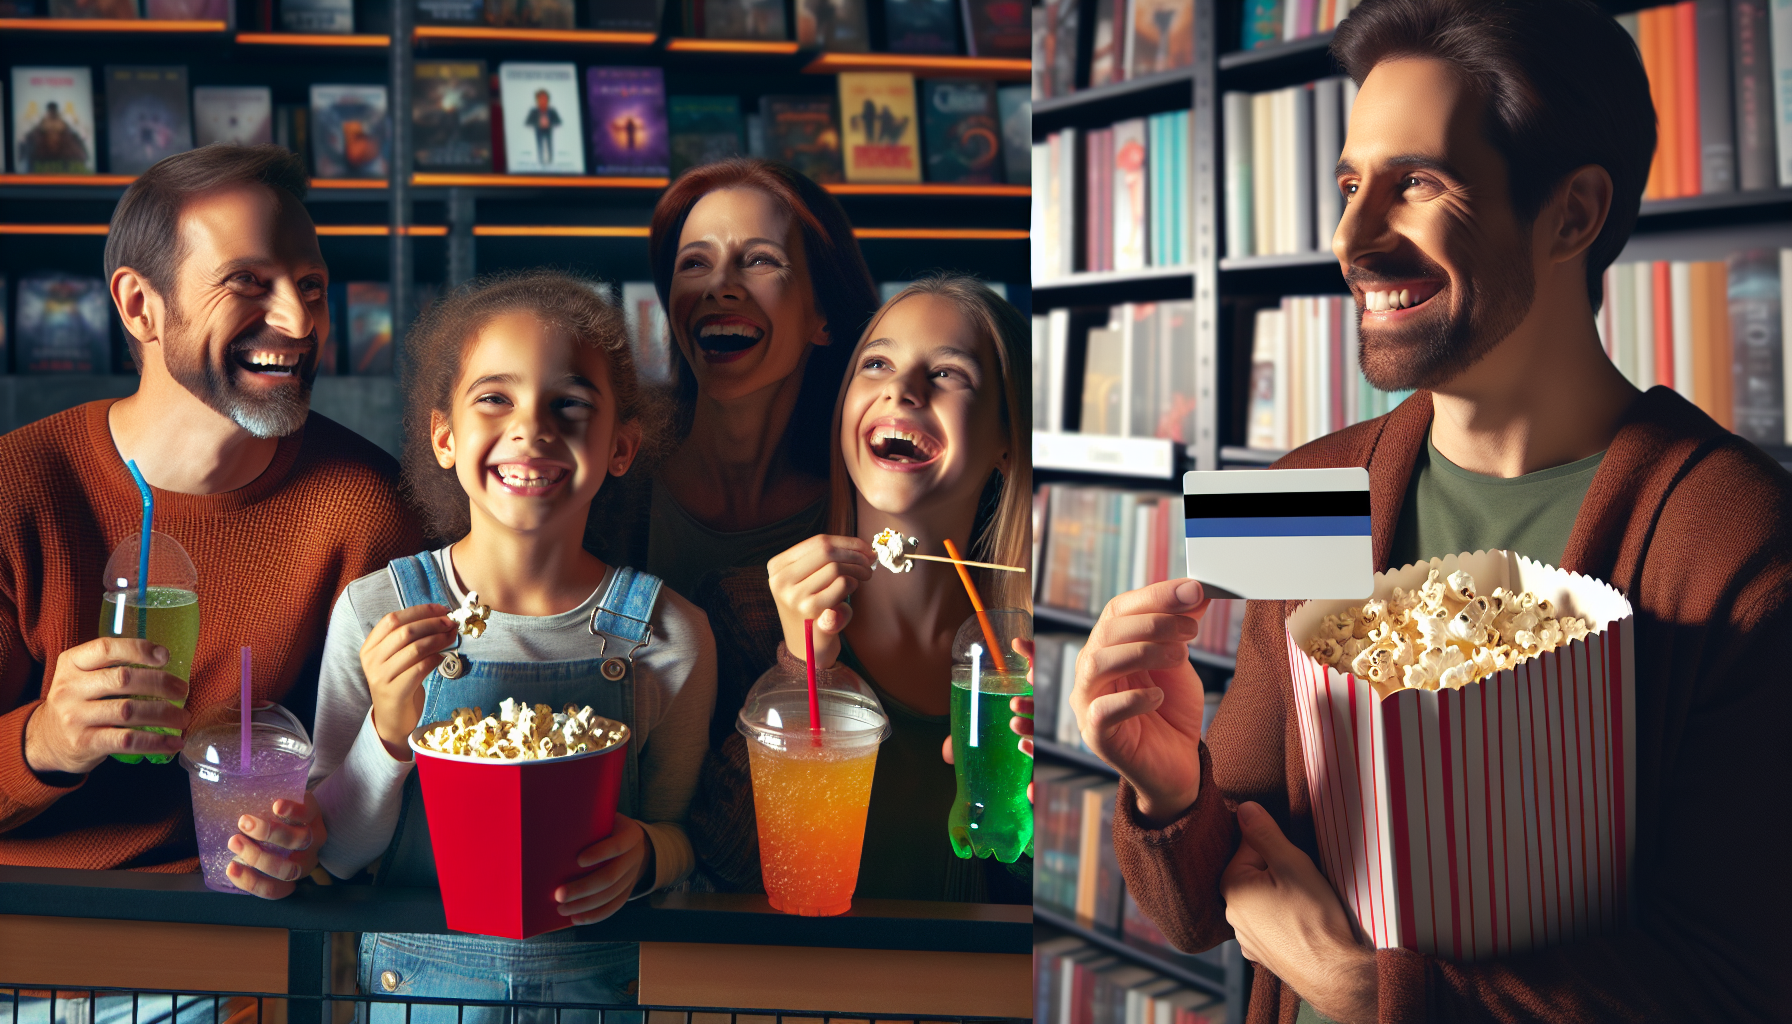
1275, 503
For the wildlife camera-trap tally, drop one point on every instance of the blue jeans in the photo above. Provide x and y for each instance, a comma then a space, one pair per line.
546, 969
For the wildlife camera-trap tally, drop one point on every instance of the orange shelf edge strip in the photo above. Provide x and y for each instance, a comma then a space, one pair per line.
958, 234
110, 25
311, 39
686, 44
426, 180
54, 229
535, 35
556, 231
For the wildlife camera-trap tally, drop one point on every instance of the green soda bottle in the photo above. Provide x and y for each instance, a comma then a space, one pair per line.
165, 612
991, 815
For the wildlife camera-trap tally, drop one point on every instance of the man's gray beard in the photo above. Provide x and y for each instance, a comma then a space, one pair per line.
1434, 352
276, 415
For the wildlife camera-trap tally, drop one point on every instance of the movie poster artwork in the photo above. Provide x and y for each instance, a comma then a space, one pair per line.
237, 114
52, 120
147, 116
351, 135
64, 324
451, 118
542, 126
628, 121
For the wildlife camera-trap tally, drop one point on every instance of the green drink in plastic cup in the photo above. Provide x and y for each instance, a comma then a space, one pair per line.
166, 612
991, 815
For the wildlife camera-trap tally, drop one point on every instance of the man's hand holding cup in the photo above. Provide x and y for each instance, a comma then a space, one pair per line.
85, 717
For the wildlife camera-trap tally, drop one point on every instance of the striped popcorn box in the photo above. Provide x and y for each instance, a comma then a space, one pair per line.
1484, 821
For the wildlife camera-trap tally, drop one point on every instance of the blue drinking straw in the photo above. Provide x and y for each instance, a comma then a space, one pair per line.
149, 516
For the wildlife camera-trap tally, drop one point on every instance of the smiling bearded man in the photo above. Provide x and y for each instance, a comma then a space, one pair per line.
1493, 170
217, 276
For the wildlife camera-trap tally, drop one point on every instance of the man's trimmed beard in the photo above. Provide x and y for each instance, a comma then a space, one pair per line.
1492, 297
276, 414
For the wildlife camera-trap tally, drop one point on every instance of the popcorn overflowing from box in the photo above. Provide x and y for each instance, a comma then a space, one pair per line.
1468, 738
523, 732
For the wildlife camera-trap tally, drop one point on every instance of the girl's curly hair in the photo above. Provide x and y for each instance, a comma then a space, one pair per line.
436, 348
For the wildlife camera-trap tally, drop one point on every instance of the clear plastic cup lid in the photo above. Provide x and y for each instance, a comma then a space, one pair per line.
214, 738
169, 564
776, 711
1008, 625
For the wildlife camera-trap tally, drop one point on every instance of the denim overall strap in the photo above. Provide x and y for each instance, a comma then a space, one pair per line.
622, 619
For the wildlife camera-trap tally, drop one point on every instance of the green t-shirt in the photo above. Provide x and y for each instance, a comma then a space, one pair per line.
681, 550
1449, 510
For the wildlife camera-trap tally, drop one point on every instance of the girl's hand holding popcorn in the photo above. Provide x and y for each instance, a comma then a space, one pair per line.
626, 858
400, 651
813, 581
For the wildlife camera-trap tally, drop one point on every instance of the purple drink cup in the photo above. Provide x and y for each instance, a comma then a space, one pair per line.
280, 759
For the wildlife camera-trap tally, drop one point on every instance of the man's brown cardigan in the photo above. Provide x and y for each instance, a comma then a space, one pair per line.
1694, 526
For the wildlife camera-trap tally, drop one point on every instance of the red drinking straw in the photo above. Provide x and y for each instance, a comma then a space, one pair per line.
809, 667
245, 732
997, 657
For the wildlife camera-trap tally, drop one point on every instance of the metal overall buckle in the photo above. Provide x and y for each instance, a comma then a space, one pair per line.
453, 666
615, 667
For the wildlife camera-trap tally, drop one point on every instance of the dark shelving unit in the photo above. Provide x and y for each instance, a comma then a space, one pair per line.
413, 230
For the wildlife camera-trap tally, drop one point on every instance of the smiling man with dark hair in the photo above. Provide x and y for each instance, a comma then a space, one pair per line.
1493, 169
216, 273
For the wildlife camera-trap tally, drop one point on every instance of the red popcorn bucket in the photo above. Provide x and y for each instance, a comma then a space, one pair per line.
506, 834
1484, 821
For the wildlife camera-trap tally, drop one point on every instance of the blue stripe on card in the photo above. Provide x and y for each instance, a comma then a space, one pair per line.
1279, 526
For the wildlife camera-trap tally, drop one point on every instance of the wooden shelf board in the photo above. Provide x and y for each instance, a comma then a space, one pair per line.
855, 188
684, 44
557, 231
1278, 261
1099, 278
1714, 201
380, 230
96, 180
945, 234
312, 39
1249, 456
481, 33
1176, 965
54, 229
108, 25
921, 64
427, 180
1115, 91
1274, 51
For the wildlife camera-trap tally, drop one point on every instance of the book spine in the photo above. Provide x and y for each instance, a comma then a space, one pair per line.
1328, 144
1263, 172
1305, 18
1680, 305
1752, 72
1667, 111
1717, 126
1092, 172
1723, 351
1700, 342
1260, 428
1284, 372
1758, 406
1785, 325
1648, 45
1069, 222
1780, 23
1057, 356
1287, 172
1620, 298
1644, 275
1686, 96
1304, 216
1663, 292
1290, 19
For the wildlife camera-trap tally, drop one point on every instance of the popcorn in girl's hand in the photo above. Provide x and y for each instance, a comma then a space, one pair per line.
521, 732
470, 617
1443, 634
891, 553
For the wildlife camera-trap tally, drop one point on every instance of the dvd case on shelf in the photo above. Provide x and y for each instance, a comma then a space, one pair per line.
239, 114
147, 116
628, 120
544, 129
350, 132
52, 120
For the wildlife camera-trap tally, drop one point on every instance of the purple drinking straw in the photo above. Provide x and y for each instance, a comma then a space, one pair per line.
245, 734
149, 515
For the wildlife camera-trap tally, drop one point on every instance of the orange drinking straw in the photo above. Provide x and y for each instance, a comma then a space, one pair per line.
996, 654
809, 667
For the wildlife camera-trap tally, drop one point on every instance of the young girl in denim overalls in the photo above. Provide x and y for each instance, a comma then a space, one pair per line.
523, 401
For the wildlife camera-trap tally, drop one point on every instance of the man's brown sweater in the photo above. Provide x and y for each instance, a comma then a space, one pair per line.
1694, 526
272, 557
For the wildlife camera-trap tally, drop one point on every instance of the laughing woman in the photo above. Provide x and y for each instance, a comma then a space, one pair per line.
765, 291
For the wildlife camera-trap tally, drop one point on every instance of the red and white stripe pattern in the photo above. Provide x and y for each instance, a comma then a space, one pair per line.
1480, 822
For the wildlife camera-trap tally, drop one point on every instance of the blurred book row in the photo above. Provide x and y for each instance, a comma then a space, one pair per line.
1282, 21
1282, 150
1137, 376
528, 118
1713, 330
1721, 124
1131, 39
64, 323
1305, 378
1076, 982
1130, 185
979, 28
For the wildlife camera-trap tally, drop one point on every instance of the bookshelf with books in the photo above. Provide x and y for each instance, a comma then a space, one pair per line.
434, 198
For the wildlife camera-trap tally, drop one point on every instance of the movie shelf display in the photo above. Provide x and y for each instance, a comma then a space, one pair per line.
1281, 148
1114, 197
